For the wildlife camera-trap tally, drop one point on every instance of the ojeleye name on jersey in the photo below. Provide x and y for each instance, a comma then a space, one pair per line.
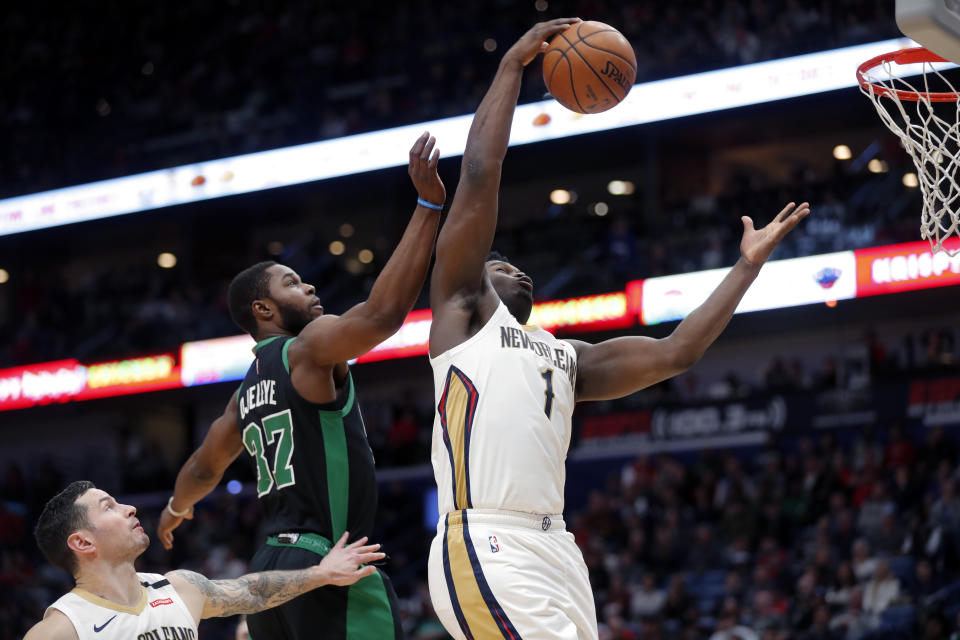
264, 392
513, 338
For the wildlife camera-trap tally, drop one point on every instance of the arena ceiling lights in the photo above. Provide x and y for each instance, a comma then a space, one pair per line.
536, 122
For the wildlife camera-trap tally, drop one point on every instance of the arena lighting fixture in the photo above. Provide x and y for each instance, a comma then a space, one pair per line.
910, 180
842, 152
354, 266
877, 166
620, 187
346, 230
167, 260
601, 209
560, 196
337, 248
4, 276
647, 102
365, 256
489, 45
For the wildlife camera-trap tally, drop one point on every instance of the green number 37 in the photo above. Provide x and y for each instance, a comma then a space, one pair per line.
278, 425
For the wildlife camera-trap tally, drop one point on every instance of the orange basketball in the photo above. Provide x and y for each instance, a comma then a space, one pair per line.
590, 67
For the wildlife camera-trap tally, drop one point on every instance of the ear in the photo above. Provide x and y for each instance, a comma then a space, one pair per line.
262, 310
82, 543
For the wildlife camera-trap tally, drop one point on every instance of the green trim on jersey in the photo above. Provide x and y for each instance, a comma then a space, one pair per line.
338, 464
338, 469
264, 343
347, 406
284, 356
368, 609
310, 541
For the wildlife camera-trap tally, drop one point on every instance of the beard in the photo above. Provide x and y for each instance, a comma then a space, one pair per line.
292, 318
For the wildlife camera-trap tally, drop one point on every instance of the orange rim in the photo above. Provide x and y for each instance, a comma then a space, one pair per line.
904, 56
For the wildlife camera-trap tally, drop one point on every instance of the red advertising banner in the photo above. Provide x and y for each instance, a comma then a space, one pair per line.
587, 313
905, 267
68, 380
411, 340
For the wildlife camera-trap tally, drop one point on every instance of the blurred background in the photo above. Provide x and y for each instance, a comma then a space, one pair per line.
799, 482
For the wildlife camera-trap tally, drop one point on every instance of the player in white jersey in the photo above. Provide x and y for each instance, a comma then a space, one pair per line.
502, 564
84, 531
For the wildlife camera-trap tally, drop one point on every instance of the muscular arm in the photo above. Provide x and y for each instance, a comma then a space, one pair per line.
247, 594
254, 592
202, 472
618, 367
458, 286
330, 340
467, 236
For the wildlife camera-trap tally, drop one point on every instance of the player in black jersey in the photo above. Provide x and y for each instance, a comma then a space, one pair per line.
297, 416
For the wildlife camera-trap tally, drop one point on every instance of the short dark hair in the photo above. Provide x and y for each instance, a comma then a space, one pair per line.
250, 284
496, 256
62, 516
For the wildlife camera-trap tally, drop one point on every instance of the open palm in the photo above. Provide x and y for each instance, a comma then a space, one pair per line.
757, 244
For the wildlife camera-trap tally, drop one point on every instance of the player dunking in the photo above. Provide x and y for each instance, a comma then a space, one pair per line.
502, 564
87, 533
297, 416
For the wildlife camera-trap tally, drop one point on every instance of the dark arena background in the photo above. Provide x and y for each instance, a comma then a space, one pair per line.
800, 482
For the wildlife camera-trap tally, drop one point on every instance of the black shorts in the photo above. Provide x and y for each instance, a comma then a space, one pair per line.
366, 610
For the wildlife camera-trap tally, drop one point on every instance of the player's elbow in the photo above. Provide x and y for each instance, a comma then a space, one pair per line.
384, 323
681, 356
477, 167
390, 320
202, 472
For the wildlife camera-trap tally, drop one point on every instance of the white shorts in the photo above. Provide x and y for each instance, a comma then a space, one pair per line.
503, 574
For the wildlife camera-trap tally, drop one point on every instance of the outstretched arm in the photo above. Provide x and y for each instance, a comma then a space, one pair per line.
258, 591
618, 367
202, 472
458, 277
330, 340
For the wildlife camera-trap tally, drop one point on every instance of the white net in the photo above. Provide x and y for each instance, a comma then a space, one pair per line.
928, 125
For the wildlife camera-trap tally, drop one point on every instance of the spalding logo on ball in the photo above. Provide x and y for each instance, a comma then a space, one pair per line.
590, 67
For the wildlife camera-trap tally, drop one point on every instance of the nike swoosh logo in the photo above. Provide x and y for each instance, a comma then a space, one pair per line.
97, 629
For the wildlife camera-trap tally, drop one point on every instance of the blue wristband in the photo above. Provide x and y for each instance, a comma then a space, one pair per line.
429, 205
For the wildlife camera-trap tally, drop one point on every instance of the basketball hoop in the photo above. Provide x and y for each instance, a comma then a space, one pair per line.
932, 139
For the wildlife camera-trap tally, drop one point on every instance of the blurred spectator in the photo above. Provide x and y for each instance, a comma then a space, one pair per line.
838, 594
648, 601
820, 628
854, 622
864, 566
881, 590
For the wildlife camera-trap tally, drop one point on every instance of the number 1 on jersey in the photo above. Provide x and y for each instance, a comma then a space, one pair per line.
547, 376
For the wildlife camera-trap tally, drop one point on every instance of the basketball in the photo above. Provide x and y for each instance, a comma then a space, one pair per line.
590, 67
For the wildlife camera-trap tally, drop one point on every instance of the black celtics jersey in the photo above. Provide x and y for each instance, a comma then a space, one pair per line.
314, 464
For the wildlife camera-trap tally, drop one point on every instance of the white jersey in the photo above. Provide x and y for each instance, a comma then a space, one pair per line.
504, 406
161, 614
